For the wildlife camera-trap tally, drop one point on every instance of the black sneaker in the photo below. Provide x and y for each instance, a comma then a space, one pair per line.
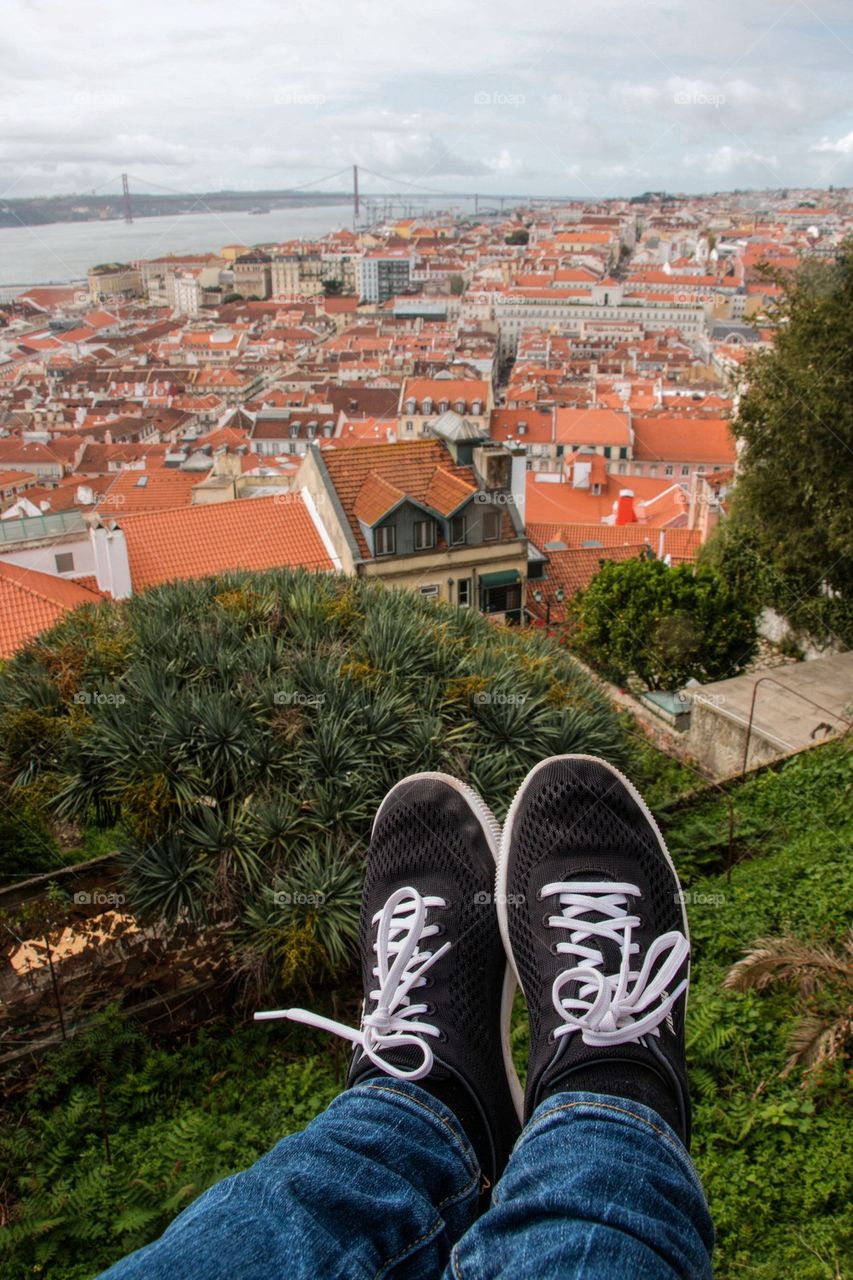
437, 987
593, 921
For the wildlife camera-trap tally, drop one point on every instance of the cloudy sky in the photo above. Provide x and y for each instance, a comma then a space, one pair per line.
594, 98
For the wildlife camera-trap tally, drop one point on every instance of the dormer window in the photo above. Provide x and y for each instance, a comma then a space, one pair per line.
442, 406
476, 408
426, 405
457, 531
409, 406
385, 540
424, 535
460, 406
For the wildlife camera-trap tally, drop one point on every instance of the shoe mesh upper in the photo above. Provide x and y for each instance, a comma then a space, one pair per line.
578, 821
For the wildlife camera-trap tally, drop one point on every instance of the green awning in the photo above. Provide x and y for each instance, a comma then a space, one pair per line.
503, 578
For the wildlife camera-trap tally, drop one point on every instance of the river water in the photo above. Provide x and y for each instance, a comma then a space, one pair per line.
64, 251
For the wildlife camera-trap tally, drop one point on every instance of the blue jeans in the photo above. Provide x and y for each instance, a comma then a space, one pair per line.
385, 1184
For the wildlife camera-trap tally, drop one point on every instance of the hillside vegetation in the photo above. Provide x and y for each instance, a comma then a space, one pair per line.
262, 720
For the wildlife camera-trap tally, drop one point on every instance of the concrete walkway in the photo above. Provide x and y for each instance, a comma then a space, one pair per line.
785, 718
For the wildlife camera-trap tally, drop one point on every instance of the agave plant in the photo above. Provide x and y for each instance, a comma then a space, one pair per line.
304, 923
821, 976
257, 715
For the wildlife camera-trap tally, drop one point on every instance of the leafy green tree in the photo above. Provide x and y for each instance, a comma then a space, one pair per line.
519, 236
457, 285
663, 625
793, 504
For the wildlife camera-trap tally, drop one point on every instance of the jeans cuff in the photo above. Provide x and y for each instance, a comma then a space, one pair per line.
415, 1100
601, 1106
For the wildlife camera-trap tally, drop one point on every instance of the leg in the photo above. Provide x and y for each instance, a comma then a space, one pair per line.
382, 1183
388, 1178
620, 1199
593, 921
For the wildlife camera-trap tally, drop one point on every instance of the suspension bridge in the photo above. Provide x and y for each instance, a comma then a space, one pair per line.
396, 200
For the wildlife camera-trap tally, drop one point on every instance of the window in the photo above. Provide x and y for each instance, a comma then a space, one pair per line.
385, 540
623, 452
457, 530
463, 593
685, 471
430, 591
410, 426
669, 471
596, 490
64, 562
491, 525
623, 468
424, 534
653, 470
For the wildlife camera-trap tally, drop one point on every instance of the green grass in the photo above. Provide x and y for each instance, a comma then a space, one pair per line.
774, 1153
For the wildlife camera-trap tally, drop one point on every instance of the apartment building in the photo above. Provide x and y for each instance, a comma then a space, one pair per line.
440, 517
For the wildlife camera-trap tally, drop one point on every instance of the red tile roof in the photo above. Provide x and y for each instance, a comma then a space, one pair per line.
159, 489
32, 602
591, 426
447, 490
681, 544
674, 439
409, 467
376, 497
250, 533
570, 571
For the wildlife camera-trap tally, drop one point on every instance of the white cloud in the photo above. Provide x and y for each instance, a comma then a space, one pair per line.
277, 93
841, 147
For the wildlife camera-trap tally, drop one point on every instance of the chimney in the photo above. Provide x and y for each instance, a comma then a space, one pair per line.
518, 481
625, 513
112, 566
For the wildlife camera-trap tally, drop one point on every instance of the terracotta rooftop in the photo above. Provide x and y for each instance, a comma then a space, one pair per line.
681, 544
250, 533
409, 468
570, 571
591, 426
32, 602
676, 439
159, 489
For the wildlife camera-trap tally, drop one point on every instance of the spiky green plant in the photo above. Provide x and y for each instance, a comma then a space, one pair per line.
238, 725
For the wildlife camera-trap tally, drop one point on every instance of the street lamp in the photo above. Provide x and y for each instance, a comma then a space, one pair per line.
559, 597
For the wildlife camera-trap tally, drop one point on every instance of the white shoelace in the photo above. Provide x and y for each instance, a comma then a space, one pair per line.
394, 1023
614, 1008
